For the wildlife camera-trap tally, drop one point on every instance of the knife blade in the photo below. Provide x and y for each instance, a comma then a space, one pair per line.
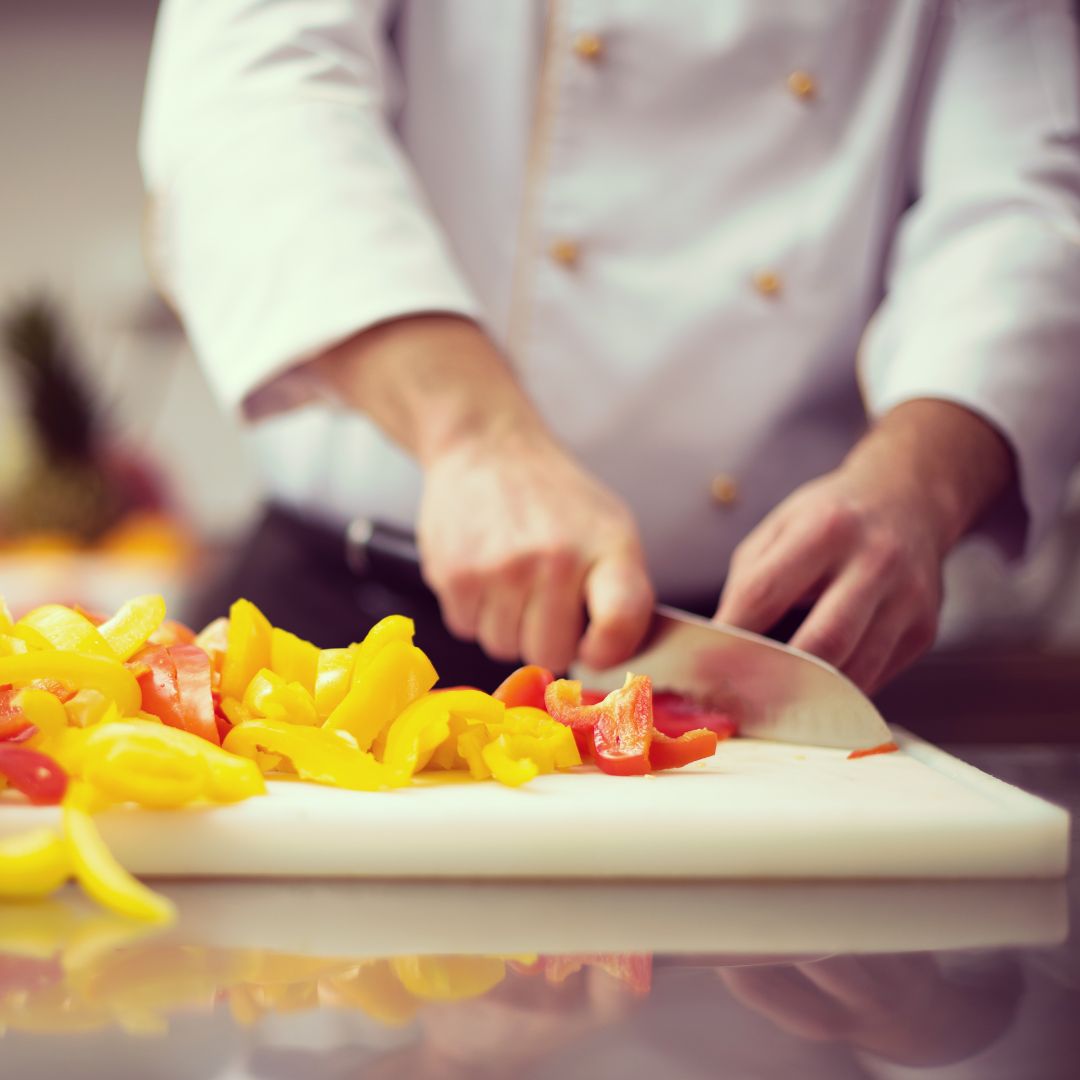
770, 690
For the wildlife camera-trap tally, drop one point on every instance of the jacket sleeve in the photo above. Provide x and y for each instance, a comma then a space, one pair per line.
983, 297
284, 216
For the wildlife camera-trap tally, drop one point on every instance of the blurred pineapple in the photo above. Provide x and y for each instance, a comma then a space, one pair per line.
74, 488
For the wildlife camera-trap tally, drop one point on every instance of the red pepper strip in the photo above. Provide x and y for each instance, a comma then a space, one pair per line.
175, 684
668, 753
13, 724
633, 970
193, 671
223, 723
525, 686
883, 748
621, 724
674, 715
35, 774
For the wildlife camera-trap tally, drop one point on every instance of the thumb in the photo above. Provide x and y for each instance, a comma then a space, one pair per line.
619, 599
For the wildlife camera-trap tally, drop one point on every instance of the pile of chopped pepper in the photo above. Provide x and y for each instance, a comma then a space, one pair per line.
137, 709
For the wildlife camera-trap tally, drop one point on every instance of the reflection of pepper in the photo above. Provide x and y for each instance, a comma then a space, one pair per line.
621, 724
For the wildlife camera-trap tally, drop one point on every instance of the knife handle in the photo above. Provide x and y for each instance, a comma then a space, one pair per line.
373, 547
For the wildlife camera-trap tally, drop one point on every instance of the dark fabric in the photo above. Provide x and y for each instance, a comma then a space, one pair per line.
295, 571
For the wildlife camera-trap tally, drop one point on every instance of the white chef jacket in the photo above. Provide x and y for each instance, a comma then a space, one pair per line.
683, 221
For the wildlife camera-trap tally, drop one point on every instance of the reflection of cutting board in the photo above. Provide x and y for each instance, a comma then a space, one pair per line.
756, 810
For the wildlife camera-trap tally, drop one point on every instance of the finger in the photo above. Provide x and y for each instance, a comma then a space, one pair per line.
912, 645
460, 607
554, 617
499, 626
760, 590
619, 600
842, 616
879, 644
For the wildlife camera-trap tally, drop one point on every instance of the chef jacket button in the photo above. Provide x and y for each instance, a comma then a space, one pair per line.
724, 489
565, 253
589, 46
802, 85
767, 282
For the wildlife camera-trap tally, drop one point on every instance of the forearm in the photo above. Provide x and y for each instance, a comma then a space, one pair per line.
944, 456
431, 382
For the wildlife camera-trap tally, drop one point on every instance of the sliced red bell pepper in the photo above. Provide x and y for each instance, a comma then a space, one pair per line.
33, 773
525, 686
869, 751
175, 684
621, 725
13, 723
674, 715
668, 753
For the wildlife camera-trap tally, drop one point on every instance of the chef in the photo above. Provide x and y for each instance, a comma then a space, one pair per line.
756, 307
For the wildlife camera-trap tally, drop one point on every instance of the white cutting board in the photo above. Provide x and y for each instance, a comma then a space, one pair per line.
756, 810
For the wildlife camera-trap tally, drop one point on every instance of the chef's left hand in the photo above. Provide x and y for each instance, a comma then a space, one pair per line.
863, 546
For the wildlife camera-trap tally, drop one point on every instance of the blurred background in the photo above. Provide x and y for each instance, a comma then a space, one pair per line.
120, 474
118, 471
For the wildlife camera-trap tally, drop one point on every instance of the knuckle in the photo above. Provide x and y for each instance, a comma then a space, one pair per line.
838, 522
828, 642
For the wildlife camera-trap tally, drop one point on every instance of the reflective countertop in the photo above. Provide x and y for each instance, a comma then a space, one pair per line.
332, 979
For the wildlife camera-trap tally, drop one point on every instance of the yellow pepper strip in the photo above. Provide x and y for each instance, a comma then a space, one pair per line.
235, 711
268, 694
506, 768
226, 777
86, 708
6, 621
294, 659
392, 628
413, 736
558, 738
373, 988
68, 630
32, 865
33, 639
317, 754
110, 677
247, 650
446, 754
140, 768
395, 678
333, 677
130, 628
471, 747
44, 711
97, 870
12, 646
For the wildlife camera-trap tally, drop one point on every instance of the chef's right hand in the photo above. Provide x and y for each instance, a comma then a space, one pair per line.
519, 543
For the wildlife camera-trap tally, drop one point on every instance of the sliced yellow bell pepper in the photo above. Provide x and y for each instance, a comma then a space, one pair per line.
44, 711
333, 677
395, 678
294, 659
34, 640
130, 628
247, 650
449, 978
557, 738
506, 768
317, 754
471, 748
11, 645
392, 628
6, 621
413, 736
67, 630
33, 864
268, 694
138, 767
97, 870
79, 672
225, 777
86, 708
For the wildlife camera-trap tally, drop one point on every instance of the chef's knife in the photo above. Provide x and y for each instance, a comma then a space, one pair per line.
770, 690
